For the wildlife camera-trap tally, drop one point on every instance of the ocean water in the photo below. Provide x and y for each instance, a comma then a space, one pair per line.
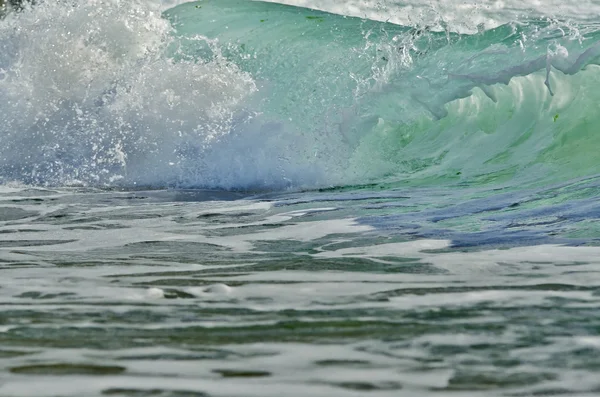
239, 198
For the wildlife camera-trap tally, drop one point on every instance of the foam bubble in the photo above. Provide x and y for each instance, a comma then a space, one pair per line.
155, 293
219, 289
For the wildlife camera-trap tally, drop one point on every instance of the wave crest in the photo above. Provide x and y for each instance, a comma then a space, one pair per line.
236, 94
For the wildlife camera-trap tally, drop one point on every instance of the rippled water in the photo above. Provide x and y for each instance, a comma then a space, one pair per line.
199, 293
405, 209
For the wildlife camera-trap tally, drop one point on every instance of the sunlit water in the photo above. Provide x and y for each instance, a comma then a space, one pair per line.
230, 198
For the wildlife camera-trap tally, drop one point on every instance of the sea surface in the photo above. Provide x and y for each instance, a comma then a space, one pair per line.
318, 198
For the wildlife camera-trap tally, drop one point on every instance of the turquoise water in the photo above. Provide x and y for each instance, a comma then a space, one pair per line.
237, 198
249, 95
383, 102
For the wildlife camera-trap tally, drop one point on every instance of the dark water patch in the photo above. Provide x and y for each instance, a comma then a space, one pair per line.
415, 267
581, 358
245, 229
176, 282
469, 289
473, 354
301, 262
11, 231
111, 226
133, 216
330, 242
31, 201
152, 392
122, 257
183, 273
195, 277
42, 295
15, 353
13, 214
91, 227
471, 380
216, 354
369, 386
171, 293
566, 264
67, 369
241, 373
336, 330
546, 221
545, 392
137, 316
225, 217
85, 263
498, 238
21, 264
48, 316
443, 313
67, 217
364, 241
342, 363
32, 243
388, 206
173, 251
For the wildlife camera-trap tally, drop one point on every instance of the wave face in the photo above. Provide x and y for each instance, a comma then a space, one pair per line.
237, 94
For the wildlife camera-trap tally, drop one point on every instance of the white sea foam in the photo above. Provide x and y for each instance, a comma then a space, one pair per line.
456, 15
88, 94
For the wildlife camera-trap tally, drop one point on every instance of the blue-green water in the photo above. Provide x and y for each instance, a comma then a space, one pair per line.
249, 95
236, 198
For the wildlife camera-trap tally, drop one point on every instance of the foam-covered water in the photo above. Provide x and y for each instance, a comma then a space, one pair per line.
463, 16
237, 198
334, 294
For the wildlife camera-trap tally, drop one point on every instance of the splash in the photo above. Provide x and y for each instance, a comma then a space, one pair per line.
89, 97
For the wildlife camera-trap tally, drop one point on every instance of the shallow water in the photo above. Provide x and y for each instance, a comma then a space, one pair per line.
168, 293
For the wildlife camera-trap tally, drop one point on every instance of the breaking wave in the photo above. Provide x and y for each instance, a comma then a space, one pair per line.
236, 94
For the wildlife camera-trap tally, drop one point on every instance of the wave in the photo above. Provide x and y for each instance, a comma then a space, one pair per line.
238, 94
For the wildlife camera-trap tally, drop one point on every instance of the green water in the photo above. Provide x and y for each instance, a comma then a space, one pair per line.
513, 105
